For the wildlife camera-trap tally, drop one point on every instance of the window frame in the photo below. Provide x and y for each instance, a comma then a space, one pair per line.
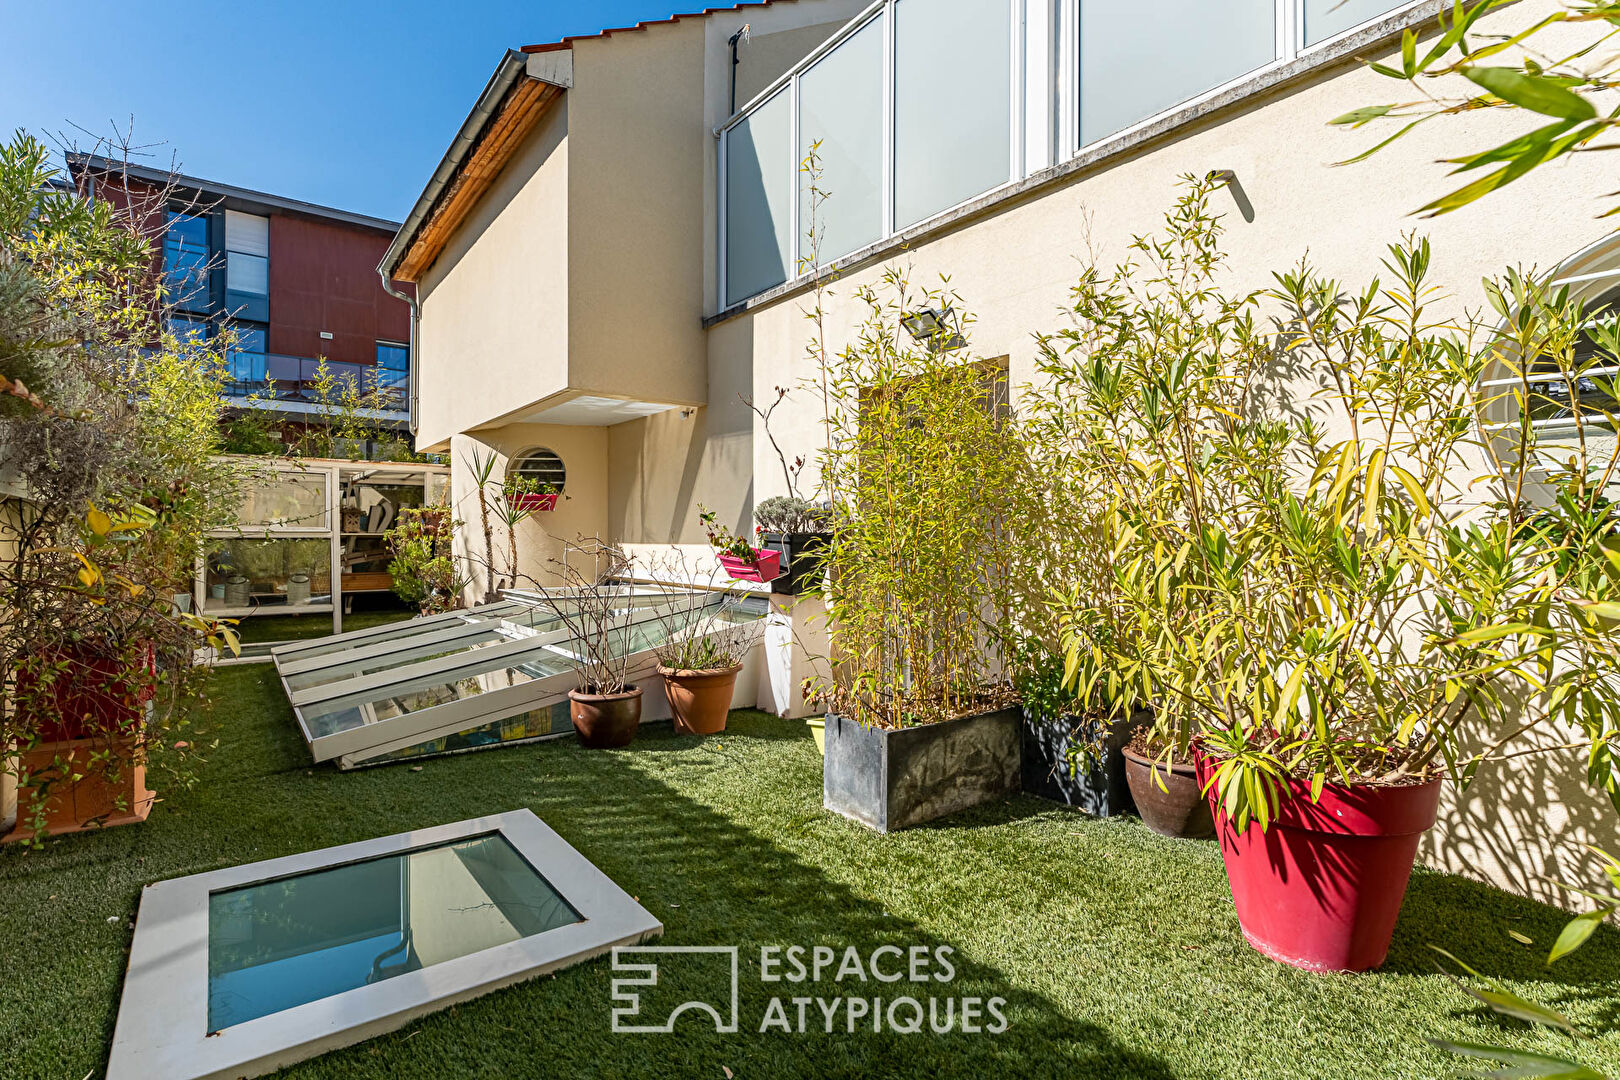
1044, 89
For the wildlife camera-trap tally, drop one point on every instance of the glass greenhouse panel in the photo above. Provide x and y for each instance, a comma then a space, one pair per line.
293, 500
289, 572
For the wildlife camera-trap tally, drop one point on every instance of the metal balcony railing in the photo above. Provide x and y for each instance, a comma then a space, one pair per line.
274, 377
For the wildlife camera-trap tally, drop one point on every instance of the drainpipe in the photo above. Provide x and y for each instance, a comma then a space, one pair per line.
410, 349
740, 35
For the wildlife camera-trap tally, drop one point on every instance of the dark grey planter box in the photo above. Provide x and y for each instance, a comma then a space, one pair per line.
894, 779
1099, 790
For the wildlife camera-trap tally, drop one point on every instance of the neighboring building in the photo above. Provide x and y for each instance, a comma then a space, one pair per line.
608, 259
296, 281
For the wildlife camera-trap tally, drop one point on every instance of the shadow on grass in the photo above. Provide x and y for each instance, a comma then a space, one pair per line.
690, 854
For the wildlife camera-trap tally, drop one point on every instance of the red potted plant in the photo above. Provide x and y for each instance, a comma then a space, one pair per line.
741, 559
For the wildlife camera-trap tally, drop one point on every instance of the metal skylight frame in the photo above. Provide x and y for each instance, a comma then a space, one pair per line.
448, 649
162, 1027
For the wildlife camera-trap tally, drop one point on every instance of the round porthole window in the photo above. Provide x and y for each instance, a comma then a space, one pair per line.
541, 466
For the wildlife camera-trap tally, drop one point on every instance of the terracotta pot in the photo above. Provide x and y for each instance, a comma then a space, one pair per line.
103, 796
699, 700
1178, 809
603, 721
1321, 889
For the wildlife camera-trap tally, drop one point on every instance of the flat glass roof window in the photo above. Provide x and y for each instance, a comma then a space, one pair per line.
244, 970
952, 104
836, 98
1133, 67
283, 943
760, 176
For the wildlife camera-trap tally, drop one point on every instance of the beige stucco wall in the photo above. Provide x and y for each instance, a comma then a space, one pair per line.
1014, 265
494, 324
582, 512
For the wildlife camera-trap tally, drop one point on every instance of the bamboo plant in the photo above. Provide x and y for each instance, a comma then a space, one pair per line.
1348, 584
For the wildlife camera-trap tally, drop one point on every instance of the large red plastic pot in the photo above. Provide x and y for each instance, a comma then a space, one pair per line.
1322, 887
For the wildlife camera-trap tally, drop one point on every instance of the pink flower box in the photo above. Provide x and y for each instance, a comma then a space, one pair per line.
765, 566
535, 501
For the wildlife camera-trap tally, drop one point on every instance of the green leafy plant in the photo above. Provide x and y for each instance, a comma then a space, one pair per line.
425, 569
919, 457
1556, 87
723, 540
1327, 593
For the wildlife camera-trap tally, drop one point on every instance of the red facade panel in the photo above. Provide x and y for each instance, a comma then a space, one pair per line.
323, 277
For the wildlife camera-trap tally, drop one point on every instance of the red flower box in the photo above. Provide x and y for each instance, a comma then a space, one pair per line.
764, 566
535, 501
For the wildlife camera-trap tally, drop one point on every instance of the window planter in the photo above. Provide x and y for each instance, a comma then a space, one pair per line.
1321, 889
535, 502
803, 557
1101, 789
763, 566
894, 778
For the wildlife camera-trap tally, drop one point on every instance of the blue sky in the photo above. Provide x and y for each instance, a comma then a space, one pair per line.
345, 103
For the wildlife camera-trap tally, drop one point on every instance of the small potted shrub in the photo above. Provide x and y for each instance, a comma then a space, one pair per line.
703, 642
1074, 750
740, 559
530, 495
798, 530
593, 606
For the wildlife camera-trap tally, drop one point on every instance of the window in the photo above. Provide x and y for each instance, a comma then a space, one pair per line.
915, 107
1329, 18
759, 188
247, 264
186, 330
952, 104
247, 360
543, 467
393, 364
1132, 67
835, 109
185, 260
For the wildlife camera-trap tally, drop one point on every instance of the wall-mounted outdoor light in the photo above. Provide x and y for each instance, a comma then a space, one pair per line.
934, 328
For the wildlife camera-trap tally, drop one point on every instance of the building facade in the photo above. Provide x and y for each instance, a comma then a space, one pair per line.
613, 259
297, 284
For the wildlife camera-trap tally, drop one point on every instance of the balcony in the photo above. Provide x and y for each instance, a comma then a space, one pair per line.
294, 384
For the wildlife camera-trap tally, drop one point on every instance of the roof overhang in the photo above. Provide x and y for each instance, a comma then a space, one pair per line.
517, 95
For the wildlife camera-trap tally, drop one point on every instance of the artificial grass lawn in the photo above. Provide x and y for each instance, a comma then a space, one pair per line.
1117, 950
259, 628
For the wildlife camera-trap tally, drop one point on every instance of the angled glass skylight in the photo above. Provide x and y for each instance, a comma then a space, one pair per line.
494, 674
241, 971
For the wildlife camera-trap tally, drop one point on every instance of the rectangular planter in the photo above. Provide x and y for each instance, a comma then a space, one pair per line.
803, 557
765, 566
535, 501
92, 801
894, 779
1099, 790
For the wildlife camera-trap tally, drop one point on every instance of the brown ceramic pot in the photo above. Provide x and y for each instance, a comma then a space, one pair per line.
603, 721
699, 700
1178, 808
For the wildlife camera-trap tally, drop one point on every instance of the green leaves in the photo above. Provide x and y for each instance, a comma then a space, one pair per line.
1522, 1064
1538, 93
